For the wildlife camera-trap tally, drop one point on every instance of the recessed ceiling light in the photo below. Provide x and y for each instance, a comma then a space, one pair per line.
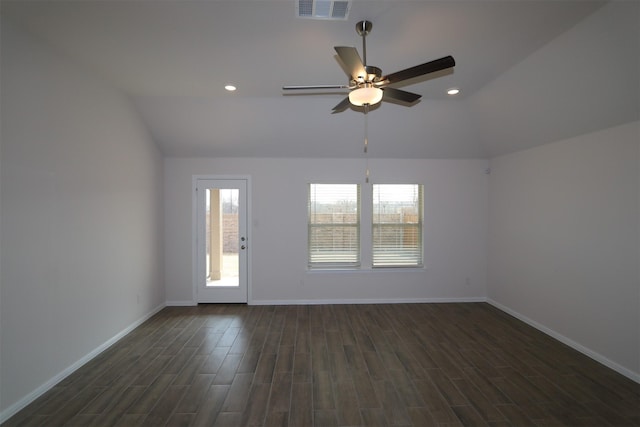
230, 88
453, 91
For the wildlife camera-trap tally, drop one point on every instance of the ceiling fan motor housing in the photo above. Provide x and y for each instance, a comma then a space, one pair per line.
372, 75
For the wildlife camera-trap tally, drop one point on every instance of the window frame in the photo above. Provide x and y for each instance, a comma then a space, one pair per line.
365, 237
418, 226
357, 226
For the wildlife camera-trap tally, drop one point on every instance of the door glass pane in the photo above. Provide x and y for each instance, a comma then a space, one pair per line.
222, 237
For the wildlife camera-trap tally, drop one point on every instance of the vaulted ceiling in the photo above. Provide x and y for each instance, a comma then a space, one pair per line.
530, 72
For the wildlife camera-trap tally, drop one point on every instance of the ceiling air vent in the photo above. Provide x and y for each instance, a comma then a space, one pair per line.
323, 9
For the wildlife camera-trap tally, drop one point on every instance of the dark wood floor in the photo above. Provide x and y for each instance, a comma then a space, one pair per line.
338, 365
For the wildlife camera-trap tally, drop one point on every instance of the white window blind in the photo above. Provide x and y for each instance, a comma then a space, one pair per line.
334, 225
397, 225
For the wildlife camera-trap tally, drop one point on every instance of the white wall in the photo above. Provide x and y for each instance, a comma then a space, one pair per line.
563, 245
455, 229
81, 217
584, 80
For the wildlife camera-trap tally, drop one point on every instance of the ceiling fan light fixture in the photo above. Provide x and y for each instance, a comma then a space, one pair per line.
365, 95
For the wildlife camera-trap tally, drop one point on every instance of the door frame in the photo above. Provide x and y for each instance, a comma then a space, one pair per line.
194, 230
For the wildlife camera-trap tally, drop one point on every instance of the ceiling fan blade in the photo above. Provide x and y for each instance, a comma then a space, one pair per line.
351, 59
316, 87
420, 70
393, 94
342, 105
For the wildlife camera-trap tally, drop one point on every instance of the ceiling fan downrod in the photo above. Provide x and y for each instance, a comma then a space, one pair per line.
371, 74
363, 28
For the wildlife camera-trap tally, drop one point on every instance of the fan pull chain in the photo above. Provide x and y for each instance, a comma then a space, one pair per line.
366, 135
366, 141
367, 175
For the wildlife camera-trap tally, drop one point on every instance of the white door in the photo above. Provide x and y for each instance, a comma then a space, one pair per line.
221, 240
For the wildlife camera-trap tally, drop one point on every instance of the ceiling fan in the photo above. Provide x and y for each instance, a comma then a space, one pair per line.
367, 85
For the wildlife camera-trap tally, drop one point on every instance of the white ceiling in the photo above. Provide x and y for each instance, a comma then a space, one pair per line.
173, 58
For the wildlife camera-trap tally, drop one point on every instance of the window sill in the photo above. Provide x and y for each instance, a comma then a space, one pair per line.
369, 270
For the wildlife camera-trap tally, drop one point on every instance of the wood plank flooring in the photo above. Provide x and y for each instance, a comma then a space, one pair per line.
338, 365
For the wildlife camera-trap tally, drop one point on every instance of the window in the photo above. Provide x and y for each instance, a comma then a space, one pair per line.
397, 225
334, 225
395, 235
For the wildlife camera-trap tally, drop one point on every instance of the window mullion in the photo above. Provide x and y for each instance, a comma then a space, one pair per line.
366, 225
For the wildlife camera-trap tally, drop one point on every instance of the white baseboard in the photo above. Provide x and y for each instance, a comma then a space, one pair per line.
367, 301
635, 376
189, 303
22, 403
